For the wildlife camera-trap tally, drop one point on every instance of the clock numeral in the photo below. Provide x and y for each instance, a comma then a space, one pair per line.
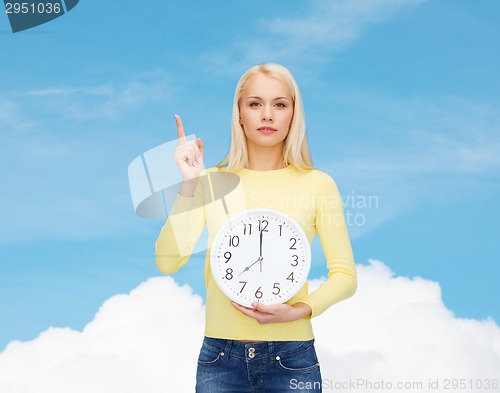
244, 284
258, 293
263, 225
295, 259
276, 287
245, 229
228, 256
229, 274
290, 277
281, 227
234, 241
292, 247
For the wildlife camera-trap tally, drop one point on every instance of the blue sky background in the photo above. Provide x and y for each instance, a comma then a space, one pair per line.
402, 105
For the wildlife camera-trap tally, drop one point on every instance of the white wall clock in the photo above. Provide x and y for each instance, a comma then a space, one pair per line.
260, 255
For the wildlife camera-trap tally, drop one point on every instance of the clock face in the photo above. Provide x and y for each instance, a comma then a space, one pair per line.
260, 255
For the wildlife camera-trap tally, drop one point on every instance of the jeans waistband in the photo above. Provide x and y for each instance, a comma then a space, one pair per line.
257, 351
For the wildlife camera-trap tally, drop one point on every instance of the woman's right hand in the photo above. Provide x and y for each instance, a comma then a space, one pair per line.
188, 155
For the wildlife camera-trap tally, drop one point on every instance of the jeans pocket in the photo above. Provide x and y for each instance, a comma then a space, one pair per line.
302, 360
208, 355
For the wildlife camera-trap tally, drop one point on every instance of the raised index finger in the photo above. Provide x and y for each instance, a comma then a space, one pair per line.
180, 130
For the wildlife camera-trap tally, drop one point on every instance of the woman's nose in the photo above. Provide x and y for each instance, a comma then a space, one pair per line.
267, 114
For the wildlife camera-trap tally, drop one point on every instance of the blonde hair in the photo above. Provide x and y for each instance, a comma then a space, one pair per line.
295, 147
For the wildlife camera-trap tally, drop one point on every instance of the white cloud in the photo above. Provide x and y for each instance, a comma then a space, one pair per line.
398, 329
132, 345
395, 329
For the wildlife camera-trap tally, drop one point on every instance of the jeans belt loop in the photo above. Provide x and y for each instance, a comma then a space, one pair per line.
271, 350
227, 349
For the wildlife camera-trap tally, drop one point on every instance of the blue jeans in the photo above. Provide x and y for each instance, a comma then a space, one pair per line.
271, 367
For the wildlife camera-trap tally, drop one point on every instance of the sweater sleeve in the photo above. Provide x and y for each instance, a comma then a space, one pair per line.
180, 233
332, 231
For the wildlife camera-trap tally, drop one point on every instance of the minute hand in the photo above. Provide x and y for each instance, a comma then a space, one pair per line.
261, 233
261, 257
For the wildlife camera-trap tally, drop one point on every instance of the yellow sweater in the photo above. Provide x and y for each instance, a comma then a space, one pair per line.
311, 198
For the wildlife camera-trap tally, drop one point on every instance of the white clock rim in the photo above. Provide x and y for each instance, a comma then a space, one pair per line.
251, 212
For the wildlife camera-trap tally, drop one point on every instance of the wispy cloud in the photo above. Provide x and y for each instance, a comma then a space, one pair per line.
440, 135
73, 145
55, 188
406, 152
394, 329
12, 117
323, 27
334, 23
106, 91
106, 101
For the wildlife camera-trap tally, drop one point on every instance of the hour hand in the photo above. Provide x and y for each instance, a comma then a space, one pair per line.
248, 267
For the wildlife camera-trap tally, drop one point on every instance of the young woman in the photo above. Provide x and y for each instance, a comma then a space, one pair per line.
263, 348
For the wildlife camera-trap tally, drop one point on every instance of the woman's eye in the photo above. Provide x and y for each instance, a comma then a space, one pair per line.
280, 105
254, 104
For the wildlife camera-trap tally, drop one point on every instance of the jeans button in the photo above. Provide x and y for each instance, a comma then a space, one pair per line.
251, 355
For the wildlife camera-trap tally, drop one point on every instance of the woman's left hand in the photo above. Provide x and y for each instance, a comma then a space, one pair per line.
275, 312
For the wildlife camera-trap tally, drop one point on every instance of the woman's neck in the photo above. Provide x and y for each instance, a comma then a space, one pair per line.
265, 159
266, 166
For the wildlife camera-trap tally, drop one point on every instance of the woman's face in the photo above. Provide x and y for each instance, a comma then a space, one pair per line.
266, 111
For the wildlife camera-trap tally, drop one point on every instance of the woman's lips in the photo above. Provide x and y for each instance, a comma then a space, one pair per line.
267, 130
